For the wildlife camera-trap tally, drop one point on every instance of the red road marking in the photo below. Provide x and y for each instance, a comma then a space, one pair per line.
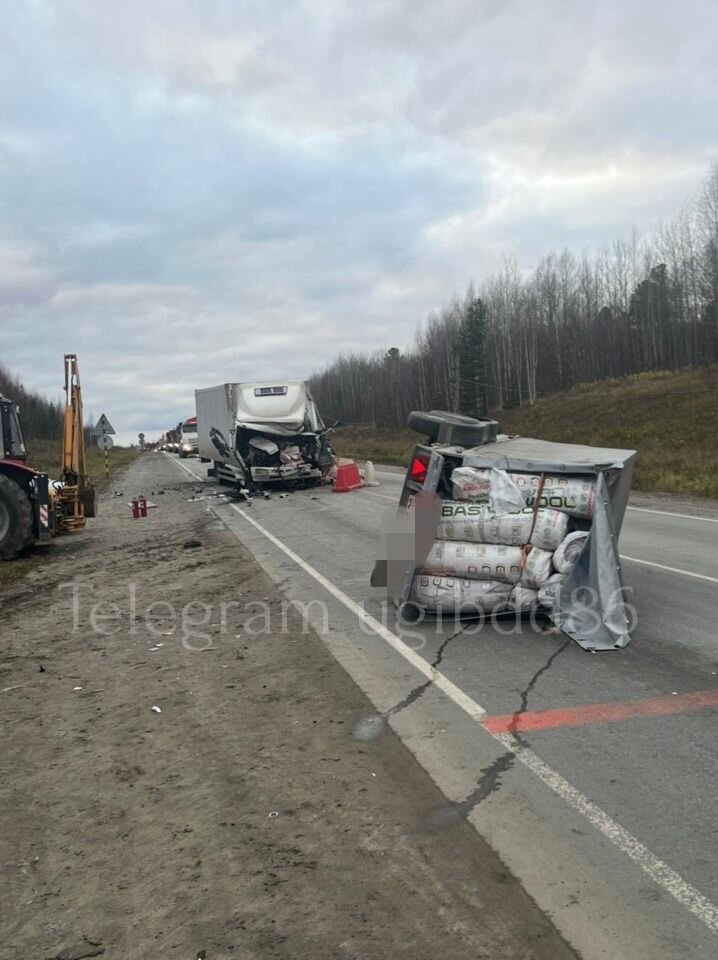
601, 712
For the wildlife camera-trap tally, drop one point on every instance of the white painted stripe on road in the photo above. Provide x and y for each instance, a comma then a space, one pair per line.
475, 710
662, 566
659, 871
647, 563
666, 513
186, 468
383, 496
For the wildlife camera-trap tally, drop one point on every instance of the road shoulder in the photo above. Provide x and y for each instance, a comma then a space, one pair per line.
243, 819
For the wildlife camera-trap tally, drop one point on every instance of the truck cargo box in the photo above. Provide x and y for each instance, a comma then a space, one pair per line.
267, 432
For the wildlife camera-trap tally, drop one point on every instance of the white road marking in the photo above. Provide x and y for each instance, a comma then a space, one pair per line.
383, 496
647, 563
186, 468
666, 513
662, 566
659, 871
418, 662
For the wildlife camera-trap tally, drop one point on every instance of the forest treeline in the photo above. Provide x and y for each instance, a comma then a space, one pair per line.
41, 419
644, 303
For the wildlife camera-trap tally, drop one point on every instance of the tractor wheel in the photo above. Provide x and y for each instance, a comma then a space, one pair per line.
15, 518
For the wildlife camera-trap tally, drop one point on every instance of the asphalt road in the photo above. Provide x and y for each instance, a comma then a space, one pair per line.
609, 815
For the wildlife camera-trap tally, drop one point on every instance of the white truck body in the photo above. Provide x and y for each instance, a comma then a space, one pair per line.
263, 432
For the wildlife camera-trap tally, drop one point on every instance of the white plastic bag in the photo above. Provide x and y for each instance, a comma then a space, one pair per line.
569, 550
572, 495
548, 594
457, 595
510, 492
537, 569
488, 485
474, 561
475, 523
523, 599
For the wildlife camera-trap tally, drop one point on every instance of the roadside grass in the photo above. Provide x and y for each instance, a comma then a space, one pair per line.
670, 418
379, 444
44, 455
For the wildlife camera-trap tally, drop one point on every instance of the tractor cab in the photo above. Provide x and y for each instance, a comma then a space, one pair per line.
12, 445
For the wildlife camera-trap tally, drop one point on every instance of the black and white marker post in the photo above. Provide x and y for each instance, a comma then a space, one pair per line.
103, 431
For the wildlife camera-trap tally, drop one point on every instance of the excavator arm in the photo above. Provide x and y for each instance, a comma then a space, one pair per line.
76, 496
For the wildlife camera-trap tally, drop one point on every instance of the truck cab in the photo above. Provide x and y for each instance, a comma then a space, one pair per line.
269, 432
188, 438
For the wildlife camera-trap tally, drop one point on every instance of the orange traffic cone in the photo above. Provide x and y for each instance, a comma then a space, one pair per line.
347, 477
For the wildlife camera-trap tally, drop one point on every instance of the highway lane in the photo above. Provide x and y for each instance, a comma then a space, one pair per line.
652, 778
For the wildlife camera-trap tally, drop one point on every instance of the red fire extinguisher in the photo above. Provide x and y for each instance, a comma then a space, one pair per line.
135, 508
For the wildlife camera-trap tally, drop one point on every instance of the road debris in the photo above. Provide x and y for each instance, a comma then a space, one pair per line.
156, 709
191, 544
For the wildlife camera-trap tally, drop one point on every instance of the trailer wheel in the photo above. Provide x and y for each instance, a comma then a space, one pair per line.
15, 518
453, 428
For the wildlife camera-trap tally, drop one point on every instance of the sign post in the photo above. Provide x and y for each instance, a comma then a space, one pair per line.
104, 429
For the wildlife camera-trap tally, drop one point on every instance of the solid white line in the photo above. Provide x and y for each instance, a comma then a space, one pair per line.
666, 513
186, 468
659, 871
662, 566
418, 662
667, 878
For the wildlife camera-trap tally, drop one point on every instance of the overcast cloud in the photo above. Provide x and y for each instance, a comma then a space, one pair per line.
194, 191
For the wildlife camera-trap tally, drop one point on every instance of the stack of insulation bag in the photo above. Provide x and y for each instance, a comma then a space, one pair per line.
506, 542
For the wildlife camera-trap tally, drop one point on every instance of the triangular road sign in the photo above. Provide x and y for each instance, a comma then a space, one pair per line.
104, 425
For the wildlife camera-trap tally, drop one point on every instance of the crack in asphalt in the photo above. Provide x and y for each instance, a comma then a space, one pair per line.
491, 777
368, 728
419, 690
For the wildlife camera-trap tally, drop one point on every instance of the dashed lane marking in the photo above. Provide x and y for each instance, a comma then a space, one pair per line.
662, 566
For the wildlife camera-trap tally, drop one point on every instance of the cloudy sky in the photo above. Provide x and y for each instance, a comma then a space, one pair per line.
194, 191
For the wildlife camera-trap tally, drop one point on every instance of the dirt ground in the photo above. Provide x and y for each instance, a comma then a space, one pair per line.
242, 820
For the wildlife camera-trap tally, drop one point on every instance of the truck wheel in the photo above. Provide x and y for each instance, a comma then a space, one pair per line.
15, 519
453, 428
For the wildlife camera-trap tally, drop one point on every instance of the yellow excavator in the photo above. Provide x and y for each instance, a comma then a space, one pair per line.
34, 509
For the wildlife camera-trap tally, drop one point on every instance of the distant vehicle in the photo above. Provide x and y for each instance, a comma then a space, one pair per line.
172, 439
188, 438
258, 433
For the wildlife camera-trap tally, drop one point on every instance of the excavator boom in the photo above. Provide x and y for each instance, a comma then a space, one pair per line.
76, 496
73, 446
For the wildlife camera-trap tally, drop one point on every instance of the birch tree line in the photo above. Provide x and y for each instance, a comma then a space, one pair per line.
41, 419
639, 304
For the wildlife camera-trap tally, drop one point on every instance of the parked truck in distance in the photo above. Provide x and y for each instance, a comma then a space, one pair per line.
262, 433
188, 438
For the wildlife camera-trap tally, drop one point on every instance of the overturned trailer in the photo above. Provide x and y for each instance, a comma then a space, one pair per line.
490, 524
262, 433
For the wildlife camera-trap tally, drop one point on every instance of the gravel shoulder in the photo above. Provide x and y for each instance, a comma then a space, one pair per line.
242, 820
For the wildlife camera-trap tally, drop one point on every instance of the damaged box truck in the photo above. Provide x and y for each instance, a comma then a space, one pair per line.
262, 433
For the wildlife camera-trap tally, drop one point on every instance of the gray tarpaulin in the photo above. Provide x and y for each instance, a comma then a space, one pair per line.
590, 608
